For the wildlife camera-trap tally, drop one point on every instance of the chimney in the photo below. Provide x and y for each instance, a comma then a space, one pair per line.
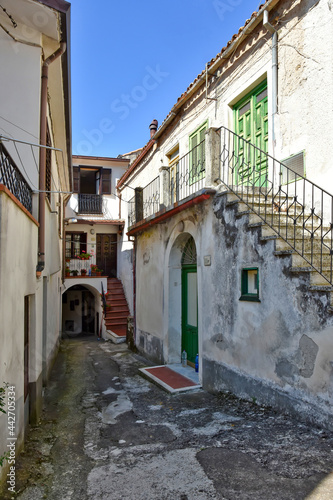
153, 127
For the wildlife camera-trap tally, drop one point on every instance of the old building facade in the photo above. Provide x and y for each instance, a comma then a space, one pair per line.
231, 219
94, 224
35, 175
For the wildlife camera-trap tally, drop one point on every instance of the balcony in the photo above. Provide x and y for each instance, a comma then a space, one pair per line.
180, 183
90, 204
11, 177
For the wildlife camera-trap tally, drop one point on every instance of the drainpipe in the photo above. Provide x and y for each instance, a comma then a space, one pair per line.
274, 33
42, 156
134, 293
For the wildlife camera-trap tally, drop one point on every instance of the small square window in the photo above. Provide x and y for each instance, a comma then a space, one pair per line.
250, 284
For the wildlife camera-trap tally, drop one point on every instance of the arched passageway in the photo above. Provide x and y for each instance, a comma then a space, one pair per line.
80, 311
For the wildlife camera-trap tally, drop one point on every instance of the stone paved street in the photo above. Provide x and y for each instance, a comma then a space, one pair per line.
109, 434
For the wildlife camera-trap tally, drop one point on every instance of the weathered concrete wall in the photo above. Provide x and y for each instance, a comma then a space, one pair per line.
285, 339
278, 351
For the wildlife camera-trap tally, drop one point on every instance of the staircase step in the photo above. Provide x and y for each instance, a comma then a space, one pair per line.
118, 311
297, 234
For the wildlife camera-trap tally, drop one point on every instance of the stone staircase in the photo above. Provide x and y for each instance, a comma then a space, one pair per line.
117, 310
306, 252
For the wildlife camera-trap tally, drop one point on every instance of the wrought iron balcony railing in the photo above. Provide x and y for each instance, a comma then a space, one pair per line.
90, 203
296, 209
12, 178
151, 198
184, 178
131, 212
187, 176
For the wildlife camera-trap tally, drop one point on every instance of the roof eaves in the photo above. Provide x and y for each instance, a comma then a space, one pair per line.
145, 150
215, 62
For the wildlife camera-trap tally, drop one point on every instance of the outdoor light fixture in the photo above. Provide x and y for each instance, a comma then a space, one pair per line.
71, 220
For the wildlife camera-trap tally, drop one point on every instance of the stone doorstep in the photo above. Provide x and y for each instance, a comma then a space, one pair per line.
172, 378
116, 339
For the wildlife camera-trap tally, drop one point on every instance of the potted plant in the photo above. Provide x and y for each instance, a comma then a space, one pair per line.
75, 272
67, 271
84, 255
99, 272
94, 269
83, 272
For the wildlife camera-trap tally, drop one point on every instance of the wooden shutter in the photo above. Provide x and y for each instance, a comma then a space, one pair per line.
83, 242
106, 181
76, 179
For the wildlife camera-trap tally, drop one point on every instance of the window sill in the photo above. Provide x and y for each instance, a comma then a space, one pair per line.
250, 298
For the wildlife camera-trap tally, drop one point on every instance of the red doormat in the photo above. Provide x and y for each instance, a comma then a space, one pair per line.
170, 377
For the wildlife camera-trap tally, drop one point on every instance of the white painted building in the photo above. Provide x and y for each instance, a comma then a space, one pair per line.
95, 221
231, 223
34, 180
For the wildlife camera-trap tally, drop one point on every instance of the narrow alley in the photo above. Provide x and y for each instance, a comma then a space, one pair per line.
107, 433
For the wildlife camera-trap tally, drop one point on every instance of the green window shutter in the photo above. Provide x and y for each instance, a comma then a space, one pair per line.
202, 153
197, 154
106, 181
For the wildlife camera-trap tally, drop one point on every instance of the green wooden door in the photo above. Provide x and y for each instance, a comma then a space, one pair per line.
190, 312
251, 124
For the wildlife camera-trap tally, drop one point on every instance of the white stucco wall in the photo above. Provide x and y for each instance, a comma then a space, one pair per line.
18, 259
20, 80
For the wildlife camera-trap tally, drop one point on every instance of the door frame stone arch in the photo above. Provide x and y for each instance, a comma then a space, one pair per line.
179, 236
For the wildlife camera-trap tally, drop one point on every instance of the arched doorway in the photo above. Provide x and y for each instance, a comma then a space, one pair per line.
78, 312
182, 331
189, 341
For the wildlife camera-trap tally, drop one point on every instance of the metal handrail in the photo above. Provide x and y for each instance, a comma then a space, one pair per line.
151, 197
11, 177
187, 175
90, 203
131, 212
296, 209
103, 299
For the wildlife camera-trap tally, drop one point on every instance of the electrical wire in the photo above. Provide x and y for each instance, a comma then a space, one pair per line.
17, 126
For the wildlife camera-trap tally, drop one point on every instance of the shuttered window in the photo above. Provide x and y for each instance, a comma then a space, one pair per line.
76, 243
106, 181
102, 184
197, 154
76, 179
295, 168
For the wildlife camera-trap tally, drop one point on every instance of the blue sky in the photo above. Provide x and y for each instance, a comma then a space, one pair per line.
131, 60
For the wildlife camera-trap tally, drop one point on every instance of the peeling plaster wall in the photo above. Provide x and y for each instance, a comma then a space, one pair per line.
278, 350
283, 341
305, 77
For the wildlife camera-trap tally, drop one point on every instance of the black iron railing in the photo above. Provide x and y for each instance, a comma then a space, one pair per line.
297, 210
151, 198
187, 176
12, 178
103, 299
131, 212
90, 203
